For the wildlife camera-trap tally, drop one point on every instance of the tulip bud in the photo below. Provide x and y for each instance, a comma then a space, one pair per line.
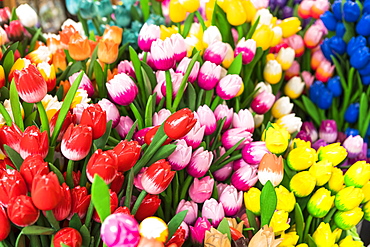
192, 208
5, 227
290, 26
94, 117
229, 87
197, 232
263, 102
214, 211
276, 139
232, 136
34, 142
348, 241
279, 221
22, 212
271, 168
122, 89
348, 198
127, 154
285, 57
209, 75
285, 199
253, 152
183, 66
201, 189
223, 111
46, 193
294, 88
11, 186
346, 220
215, 52
104, 164
290, 122
79, 47
324, 71
179, 123
322, 171
358, 174
247, 48
195, 136
333, 153
320, 203
32, 166
302, 184
310, 129
336, 181
62, 210
111, 110
180, 158
11, 136
252, 200
301, 158
216, 238
281, 107
147, 35
162, 54
80, 202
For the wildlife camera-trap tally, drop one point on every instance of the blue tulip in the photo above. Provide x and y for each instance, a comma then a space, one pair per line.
351, 11
326, 49
72, 6
352, 112
329, 20
365, 80
340, 29
88, 9
352, 132
325, 99
360, 57
315, 91
366, 7
104, 8
338, 45
122, 15
337, 9
335, 86
355, 43
363, 26
365, 70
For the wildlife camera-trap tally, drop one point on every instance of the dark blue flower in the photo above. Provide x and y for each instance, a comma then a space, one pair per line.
366, 7
355, 43
340, 29
88, 9
326, 49
338, 45
365, 70
352, 132
104, 8
335, 86
363, 26
280, 3
360, 57
352, 112
315, 91
365, 80
325, 99
122, 15
351, 11
329, 20
337, 9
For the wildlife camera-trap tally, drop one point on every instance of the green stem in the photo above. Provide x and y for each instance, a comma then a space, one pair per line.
237, 104
137, 115
43, 117
200, 19
215, 103
130, 184
142, 194
208, 97
89, 214
240, 31
307, 227
6, 116
200, 96
168, 90
69, 178
185, 187
97, 26
330, 215
53, 222
231, 159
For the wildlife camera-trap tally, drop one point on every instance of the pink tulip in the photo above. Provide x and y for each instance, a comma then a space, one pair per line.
263, 102
247, 48
200, 162
209, 75
111, 110
197, 232
244, 178
253, 152
161, 116
223, 111
214, 211
229, 86
85, 83
183, 66
201, 189
124, 126
179, 46
231, 200
223, 173
163, 54
180, 158
215, 52
244, 119
195, 136
147, 35
232, 136
206, 118
192, 208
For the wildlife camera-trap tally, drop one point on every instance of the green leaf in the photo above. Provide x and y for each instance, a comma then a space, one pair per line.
223, 157
37, 230
191, 97
308, 104
137, 115
57, 172
364, 101
21, 241
15, 105
175, 222
187, 25
253, 28
14, 156
139, 77
268, 203
100, 197
135, 15
299, 220
101, 141
236, 65
12, 48
147, 83
311, 242
76, 67
149, 72
6, 116
8, 63
85, 233
132, 131
34, 39
149, 111
92, 63
252, 220
224, 227
162, 153
100, 79
144, 5
75, 222
350, 31
65, 108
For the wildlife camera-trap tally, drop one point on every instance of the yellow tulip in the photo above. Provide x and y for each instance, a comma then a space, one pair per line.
279, 221
285, 199
249, 9
358, 174
345, 220
277, 37
166, 32
190, 5
302, 245
235, 13
301, 158
177, 12
263, 37
336, 181
320, 203
210, 6
334, 153
349, 242
323, 236
321, 171
348, 198
290, 26
285, 57
276, 139
289, 239
302, 184
252, 200
337, 233
298, 143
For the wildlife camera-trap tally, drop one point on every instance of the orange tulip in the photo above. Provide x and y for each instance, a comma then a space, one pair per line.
113, 33
107, 51
66, 34
53, 44
92, 44
271, 168
79, 48
59, 60
66, 86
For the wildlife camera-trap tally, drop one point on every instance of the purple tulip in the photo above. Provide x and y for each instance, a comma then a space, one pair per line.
111, 110
180, 158
310, 129
354, 145
229, 86
209, 75
303, 135
244, 119
287, 12
120, 230
183, 66
201, 189
319, 143
206, 118
244, 178
200, 162
232, 136
163, 54
253, 152
161, 116
280, 3
214, 211
198, 231
263, 102
179, 46
223, 173
85, 83
328, 131
231, 200
122, 89
192, 213
127, 68
215, 52
195, 136
124, 126
223, 111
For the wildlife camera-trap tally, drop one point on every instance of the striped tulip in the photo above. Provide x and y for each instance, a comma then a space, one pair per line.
243, 119
19, 64
157, 177
76, 142
209, 75
195, 135
147, 35
111, 110
206, 118
271, 168
85, 83
215, 52
231, 200
253, 152
42, 54
229, 87
244, 178
11, 136
232, 136
163, 54
122, 89
199, 163
124, 126
183, 65
180, 158
127, 68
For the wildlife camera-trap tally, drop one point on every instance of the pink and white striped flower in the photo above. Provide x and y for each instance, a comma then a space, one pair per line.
215, 52
183, 66
209, 75
180, 158
230, 86
111, 110
214, 211
163, 54
244, 178
244, 119
253, 152
231, 200
124, 126
206, 118
232, 136
127, 68
122, 89
223, 173
195, 136
247, 48
179, 46
263, 102
147, 35
200, 162
223, 111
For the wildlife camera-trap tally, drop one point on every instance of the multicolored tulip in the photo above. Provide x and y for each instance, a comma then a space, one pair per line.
157, 177
201, 189
271, 168
111, 110
33, 142
122, 89
324, 71
290, 122
346, 220
358, 174
263, 102
15, 30
127, 68
223, 111
10, 135
147, 35
272, 72
22, 212
232, 136
231, 199
281, 107
328, 131
192, 208
209, 75
183, 65
179, 124
294, 88
199, 163
302, 184
229, 87
162, 54
247, 48
63, 209
104, 164
253, 152
180, 158
243, 119
214, 211
76, 142
85, 83
320, 203
206, 118
215, 52
348, 198
285, 57
67, 236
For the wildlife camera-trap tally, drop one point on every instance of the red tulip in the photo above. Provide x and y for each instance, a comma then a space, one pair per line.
32, 166
122, 210
11, 185
6, 162
67, 236
128, 152
75, 177
62, 210
22, 212
5, 224
235, 234
34, 142
80, 202
96, 118
11, 136
113, 205
117, 182
178, 238
76, 142
179, 124
103, 163
30, 84
148, 138
148, 207
157, 177
67, 121
46, 193
15, 31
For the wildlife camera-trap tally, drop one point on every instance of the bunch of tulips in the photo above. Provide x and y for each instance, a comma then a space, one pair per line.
187, 138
